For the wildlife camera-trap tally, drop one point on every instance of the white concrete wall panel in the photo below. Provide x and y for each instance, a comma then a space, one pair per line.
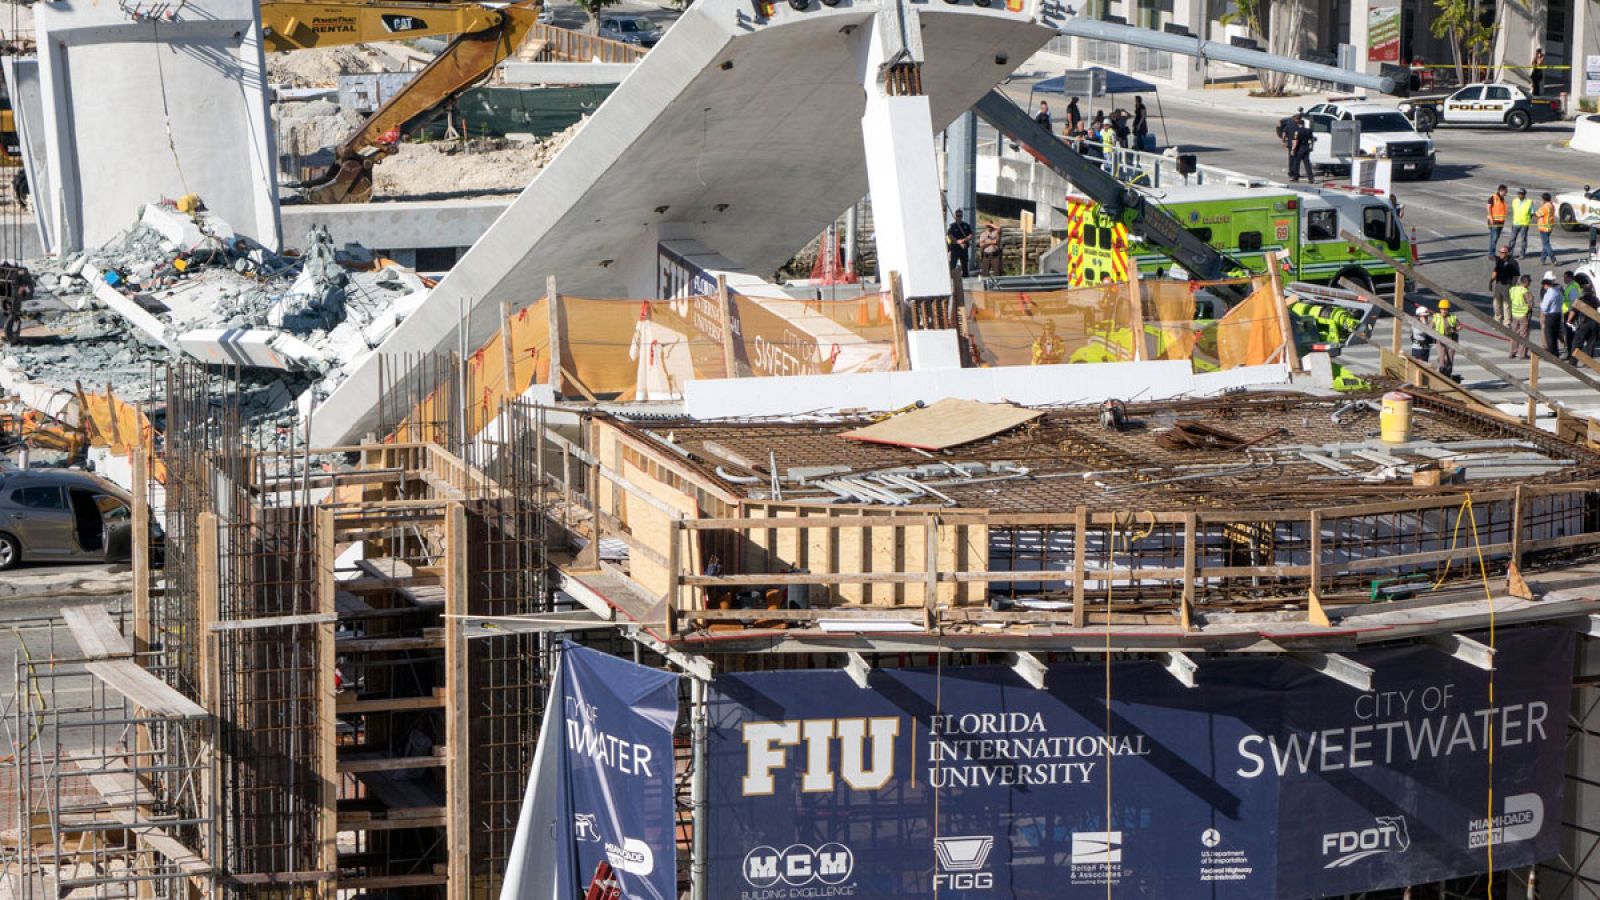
138, 109
742, 133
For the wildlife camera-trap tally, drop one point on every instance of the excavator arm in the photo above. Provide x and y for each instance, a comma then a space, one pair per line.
469, 59
1142, 215
298, 25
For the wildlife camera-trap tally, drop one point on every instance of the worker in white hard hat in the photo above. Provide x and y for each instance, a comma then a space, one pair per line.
1551, 321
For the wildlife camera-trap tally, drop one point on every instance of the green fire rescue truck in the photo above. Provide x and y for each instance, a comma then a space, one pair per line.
1246, 222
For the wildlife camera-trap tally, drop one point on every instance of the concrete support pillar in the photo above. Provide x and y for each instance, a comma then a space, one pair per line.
1519, 29
961, 166
902, 166
1189, 72
1583, 12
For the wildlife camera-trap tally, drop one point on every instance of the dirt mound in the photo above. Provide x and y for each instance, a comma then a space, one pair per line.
465, 167
322, 67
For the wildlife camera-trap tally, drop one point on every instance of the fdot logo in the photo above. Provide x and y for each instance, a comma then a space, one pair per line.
1387, 835
798, 865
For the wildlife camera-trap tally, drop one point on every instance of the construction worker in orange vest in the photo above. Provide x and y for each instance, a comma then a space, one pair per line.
1497, 217
1546, 219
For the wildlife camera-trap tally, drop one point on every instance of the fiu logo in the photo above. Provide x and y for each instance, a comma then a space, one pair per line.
866, 753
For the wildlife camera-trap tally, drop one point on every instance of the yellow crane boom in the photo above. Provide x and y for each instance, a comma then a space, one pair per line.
298, 25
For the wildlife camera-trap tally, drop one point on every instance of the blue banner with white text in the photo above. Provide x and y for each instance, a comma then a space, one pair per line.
617, 720
1268, 779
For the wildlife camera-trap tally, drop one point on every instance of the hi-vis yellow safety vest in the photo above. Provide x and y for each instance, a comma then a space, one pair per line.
1519, 303
1522, 212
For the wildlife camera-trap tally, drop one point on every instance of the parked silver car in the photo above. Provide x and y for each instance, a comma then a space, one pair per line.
630, 30
64, 515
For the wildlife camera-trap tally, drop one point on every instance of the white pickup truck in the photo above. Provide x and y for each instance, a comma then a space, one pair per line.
1384, 133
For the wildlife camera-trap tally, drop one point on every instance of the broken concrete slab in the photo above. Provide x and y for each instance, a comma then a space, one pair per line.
257, 348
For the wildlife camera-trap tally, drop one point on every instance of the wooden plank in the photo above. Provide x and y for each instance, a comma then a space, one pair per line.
388, 645
122, 791
144, 690
141, 551
96, 634
558, 333
1080, 555
375, 763
457, 799
328, 599
273, 622
1486, 321
394, 824
806, 578
886, 613
389, 882
906, 517
348, 705
1190, 563
730, 357
897, 323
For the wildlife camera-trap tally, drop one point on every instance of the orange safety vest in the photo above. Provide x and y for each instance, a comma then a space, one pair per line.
1497, 210
1546, 217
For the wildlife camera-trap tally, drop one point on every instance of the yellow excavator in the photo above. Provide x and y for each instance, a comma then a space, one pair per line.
485, 37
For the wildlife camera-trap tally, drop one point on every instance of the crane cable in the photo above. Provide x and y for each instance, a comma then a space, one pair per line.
1488, 593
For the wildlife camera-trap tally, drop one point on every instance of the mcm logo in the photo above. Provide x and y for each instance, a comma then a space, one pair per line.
585, 827
865, 753
1387, 835
798, 865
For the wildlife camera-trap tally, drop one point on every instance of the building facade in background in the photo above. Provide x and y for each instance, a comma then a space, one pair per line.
1366, 34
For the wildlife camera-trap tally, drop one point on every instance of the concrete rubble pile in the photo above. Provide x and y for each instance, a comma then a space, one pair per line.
183, 284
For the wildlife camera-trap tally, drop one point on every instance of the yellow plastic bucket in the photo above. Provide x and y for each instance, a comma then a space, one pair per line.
1394, 421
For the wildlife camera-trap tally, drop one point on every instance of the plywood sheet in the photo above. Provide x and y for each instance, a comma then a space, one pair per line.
947, 423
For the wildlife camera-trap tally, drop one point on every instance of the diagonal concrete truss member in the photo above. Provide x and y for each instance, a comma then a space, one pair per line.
748, 129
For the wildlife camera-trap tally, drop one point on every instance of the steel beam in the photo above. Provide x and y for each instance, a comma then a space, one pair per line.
1469, 651
1030, 669
1081, 26
1181, 667
858, 668
1336, 666
1585, 625
697, 667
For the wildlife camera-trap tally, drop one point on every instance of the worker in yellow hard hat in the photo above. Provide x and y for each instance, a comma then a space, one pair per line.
1047, 347
1447, 325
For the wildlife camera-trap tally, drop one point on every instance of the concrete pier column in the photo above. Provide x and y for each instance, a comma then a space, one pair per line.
902, 167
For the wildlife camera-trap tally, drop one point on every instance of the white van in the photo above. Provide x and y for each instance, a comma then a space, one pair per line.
1385, 132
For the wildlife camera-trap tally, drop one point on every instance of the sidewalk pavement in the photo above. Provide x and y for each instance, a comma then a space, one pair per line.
38, 582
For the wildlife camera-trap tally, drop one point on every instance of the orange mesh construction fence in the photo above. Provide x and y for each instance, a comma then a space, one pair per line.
1252, 333
1101, 324
648, 349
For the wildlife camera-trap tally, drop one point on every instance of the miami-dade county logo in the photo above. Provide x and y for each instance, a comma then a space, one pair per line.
961, 860
798, 865
1387, 835
1520, 818
632, 856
